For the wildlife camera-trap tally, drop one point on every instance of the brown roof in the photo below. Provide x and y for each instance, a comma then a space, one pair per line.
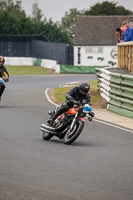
98, 30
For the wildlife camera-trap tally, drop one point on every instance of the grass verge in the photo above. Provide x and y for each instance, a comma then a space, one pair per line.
28, 70
96, 100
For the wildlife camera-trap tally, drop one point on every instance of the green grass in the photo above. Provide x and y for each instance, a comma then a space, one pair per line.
94, 93
28, 70
59, 92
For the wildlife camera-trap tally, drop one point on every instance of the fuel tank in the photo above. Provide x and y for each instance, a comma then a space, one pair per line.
72, 111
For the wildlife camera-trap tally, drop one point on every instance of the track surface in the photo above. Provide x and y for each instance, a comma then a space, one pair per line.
98, 166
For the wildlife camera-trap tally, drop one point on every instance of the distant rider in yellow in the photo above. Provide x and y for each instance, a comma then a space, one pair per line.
3, 74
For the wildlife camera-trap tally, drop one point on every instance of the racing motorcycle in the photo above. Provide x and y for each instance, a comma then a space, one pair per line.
0, 80
69, 125
1, 83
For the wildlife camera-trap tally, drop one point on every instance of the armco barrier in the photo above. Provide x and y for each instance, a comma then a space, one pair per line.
19, 61
71, 69
25, 61
117, 89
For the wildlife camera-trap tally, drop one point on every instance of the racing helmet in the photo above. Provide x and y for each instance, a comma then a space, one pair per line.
2, 59
84, 88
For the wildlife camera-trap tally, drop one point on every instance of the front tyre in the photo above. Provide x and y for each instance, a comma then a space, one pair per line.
46, 136
72, 135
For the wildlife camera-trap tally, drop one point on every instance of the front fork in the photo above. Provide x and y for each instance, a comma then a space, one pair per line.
73, 121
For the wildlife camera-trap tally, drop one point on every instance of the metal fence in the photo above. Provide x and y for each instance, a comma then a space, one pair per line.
36, 46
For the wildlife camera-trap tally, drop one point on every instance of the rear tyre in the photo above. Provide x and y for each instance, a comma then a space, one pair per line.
46, 136
72, 135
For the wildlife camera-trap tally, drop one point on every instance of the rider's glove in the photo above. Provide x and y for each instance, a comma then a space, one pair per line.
71, 99
92, 114
78, 102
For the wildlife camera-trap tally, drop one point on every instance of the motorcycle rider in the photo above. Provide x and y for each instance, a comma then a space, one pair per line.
3, 74
76, 94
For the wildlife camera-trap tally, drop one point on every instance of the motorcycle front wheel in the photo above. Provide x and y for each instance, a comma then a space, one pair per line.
72, 135
46, 136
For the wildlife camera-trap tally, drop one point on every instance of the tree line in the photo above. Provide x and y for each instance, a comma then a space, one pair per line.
14, 21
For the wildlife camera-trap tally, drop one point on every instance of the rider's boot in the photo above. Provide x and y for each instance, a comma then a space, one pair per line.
50, 121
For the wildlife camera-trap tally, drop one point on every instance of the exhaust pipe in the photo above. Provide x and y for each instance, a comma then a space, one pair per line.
47, 127
48, 131
43, 129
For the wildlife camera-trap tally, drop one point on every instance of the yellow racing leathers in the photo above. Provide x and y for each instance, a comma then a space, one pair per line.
5, 76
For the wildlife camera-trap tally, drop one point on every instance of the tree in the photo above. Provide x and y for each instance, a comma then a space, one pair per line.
13, 21
36, 13
108, 8
11, 15
68, 21
54, 32
10, 6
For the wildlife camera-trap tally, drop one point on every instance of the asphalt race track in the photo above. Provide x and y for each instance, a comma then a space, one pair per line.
98, 166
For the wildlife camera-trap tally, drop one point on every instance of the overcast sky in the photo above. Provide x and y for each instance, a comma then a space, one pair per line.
56, 9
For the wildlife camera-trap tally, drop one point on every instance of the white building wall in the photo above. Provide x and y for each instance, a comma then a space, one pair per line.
95, 55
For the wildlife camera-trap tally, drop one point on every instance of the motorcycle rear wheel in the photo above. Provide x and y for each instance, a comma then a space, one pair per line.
70, 137
46, 136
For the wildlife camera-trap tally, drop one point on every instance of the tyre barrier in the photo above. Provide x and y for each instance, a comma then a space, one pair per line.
117, 89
